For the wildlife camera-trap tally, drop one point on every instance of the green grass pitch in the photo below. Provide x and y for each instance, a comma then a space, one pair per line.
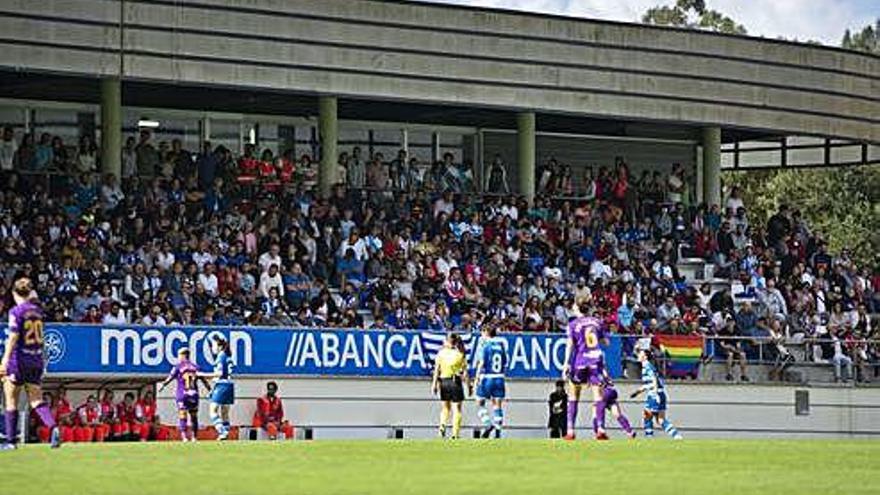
539, 467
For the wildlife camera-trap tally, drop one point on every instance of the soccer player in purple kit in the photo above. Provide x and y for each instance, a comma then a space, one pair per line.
609, 402
188, 377
22, 364
584, 365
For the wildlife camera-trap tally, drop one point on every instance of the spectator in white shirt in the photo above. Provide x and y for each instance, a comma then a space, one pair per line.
269, 279
667, 311
356, 244
509, 210
444, 204
703, 296
663, 269
164, 258
599, 270
347, 224
445, 263
8, 147
840, 359
209, 280
271, 257
111, 193
773, 301
116, 315
203, 257
734, 202
155, 318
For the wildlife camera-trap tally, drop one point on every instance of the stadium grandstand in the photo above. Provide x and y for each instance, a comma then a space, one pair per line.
294, 174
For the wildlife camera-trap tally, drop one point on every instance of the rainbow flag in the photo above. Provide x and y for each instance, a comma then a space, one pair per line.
683, 353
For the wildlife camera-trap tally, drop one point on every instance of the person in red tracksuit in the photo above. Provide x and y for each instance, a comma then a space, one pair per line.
88, 420
108, 414
147, 421
64, 415
126, 418
270, 414
43, 433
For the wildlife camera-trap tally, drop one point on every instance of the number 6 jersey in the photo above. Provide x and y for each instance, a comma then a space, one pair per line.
587, 333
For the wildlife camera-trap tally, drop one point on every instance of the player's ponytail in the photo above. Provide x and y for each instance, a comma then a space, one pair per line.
455, 342
223, 344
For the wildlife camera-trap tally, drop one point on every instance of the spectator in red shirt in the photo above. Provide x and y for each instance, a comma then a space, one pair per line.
454, 287
704, 245
92, 315
286, 170
270, 414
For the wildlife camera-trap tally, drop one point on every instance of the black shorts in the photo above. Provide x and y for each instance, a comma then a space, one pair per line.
451, 389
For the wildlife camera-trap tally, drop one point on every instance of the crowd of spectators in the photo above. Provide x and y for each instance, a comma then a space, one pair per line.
206, 238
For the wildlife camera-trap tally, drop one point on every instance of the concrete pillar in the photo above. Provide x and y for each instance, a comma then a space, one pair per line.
435, 147
328, 127
479, 162
698, 160
712, 165
525, 149
28, 121
111, 126
205, 130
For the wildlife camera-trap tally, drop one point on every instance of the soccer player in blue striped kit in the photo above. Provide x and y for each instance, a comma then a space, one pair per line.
223, 392
490, 367
655, 398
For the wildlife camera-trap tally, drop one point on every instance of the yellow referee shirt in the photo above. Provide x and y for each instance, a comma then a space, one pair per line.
451, 362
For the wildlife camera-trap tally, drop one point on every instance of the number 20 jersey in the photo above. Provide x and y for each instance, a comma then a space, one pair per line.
25, 364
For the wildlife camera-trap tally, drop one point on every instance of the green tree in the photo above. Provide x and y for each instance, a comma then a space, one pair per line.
692, 14
841, 204
866, 40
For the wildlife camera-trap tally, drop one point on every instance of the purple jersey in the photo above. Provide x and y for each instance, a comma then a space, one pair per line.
186, 374
26, 361
587, 333
26, 319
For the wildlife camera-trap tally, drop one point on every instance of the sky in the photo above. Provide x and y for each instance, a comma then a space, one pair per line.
817, 20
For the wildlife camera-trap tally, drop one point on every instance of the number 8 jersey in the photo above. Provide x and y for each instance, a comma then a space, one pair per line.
493, 356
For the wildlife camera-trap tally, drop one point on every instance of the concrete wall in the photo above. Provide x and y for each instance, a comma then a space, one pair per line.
386, 49
368, 408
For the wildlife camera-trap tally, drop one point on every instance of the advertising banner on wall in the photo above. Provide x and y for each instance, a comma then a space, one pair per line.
140, 350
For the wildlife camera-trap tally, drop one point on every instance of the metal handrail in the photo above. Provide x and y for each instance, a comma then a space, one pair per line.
760, 342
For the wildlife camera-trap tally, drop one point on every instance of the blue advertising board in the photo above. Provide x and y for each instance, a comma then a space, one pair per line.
140, 350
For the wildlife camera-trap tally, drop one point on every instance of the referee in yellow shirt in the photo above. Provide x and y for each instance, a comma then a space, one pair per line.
450, 378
